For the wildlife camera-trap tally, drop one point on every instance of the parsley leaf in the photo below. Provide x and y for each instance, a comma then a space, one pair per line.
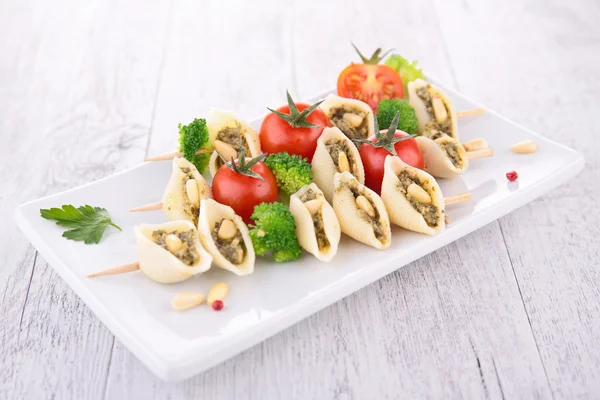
87, 224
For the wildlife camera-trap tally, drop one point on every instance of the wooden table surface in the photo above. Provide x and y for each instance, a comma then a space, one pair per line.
88, 88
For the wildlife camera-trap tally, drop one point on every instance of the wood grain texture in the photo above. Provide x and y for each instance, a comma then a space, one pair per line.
77, 87
510, 311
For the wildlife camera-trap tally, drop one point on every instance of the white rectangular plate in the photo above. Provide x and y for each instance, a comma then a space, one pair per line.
177, 345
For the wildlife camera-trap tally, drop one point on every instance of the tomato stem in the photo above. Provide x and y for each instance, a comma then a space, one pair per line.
386, 140
375, 57
242, 167
296, 118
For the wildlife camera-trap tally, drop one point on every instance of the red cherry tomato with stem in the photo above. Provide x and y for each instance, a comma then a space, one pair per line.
293, 128
240, 187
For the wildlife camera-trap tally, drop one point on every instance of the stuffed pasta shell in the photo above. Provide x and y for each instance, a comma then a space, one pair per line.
335, 153
317, 226
353, 117
412, 197
185, 189
444, 157
433, 109
225, 236
361, 212
171, 252
228, 134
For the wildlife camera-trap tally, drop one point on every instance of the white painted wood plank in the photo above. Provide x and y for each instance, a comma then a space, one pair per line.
77, 84
544, 58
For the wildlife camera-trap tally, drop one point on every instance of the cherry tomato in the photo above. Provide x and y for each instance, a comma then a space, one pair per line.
278, 135
370, 83
242, 192
373, 159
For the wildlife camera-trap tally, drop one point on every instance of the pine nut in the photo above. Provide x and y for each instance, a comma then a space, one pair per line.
185, 300
475, 144
526, 147
227, 230
439, 109
365, 205
313, 206
173, 243
418, 193
191, 188
225, 150
353, 119
260, 233
343, 164
217, 292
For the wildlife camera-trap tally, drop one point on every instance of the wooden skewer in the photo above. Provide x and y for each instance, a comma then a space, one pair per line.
470, 113
148, 207
174, 154
473, 155
459, 198
121, 269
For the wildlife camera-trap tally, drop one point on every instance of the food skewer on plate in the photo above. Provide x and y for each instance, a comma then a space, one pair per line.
167, 253
224, 133
181, 198
413, 199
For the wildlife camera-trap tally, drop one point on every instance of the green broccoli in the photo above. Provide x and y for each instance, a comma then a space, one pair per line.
387, 110
192, 138
275, 231
291, 171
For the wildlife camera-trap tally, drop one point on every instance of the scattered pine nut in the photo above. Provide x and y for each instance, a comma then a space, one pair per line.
185, 300
526, 147
217, 292
475, 144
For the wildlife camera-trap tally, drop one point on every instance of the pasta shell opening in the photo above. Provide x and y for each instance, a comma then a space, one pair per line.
353, 117
317, 226
361, 212
434, 110
335, 153
225, 236
412, 197
171, 252
184, 191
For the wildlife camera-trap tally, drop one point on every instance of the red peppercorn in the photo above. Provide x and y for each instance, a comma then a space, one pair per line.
217, 305
512, 176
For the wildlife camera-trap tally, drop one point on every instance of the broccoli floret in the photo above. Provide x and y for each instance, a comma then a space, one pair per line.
275, 232
387, 110
291, 171
192, 138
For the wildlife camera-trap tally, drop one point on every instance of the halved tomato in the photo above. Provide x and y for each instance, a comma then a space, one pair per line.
370, 82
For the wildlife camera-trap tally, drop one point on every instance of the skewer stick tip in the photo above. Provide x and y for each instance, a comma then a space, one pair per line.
162, 157
148, 207
459, 198
121, 269
470, 113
